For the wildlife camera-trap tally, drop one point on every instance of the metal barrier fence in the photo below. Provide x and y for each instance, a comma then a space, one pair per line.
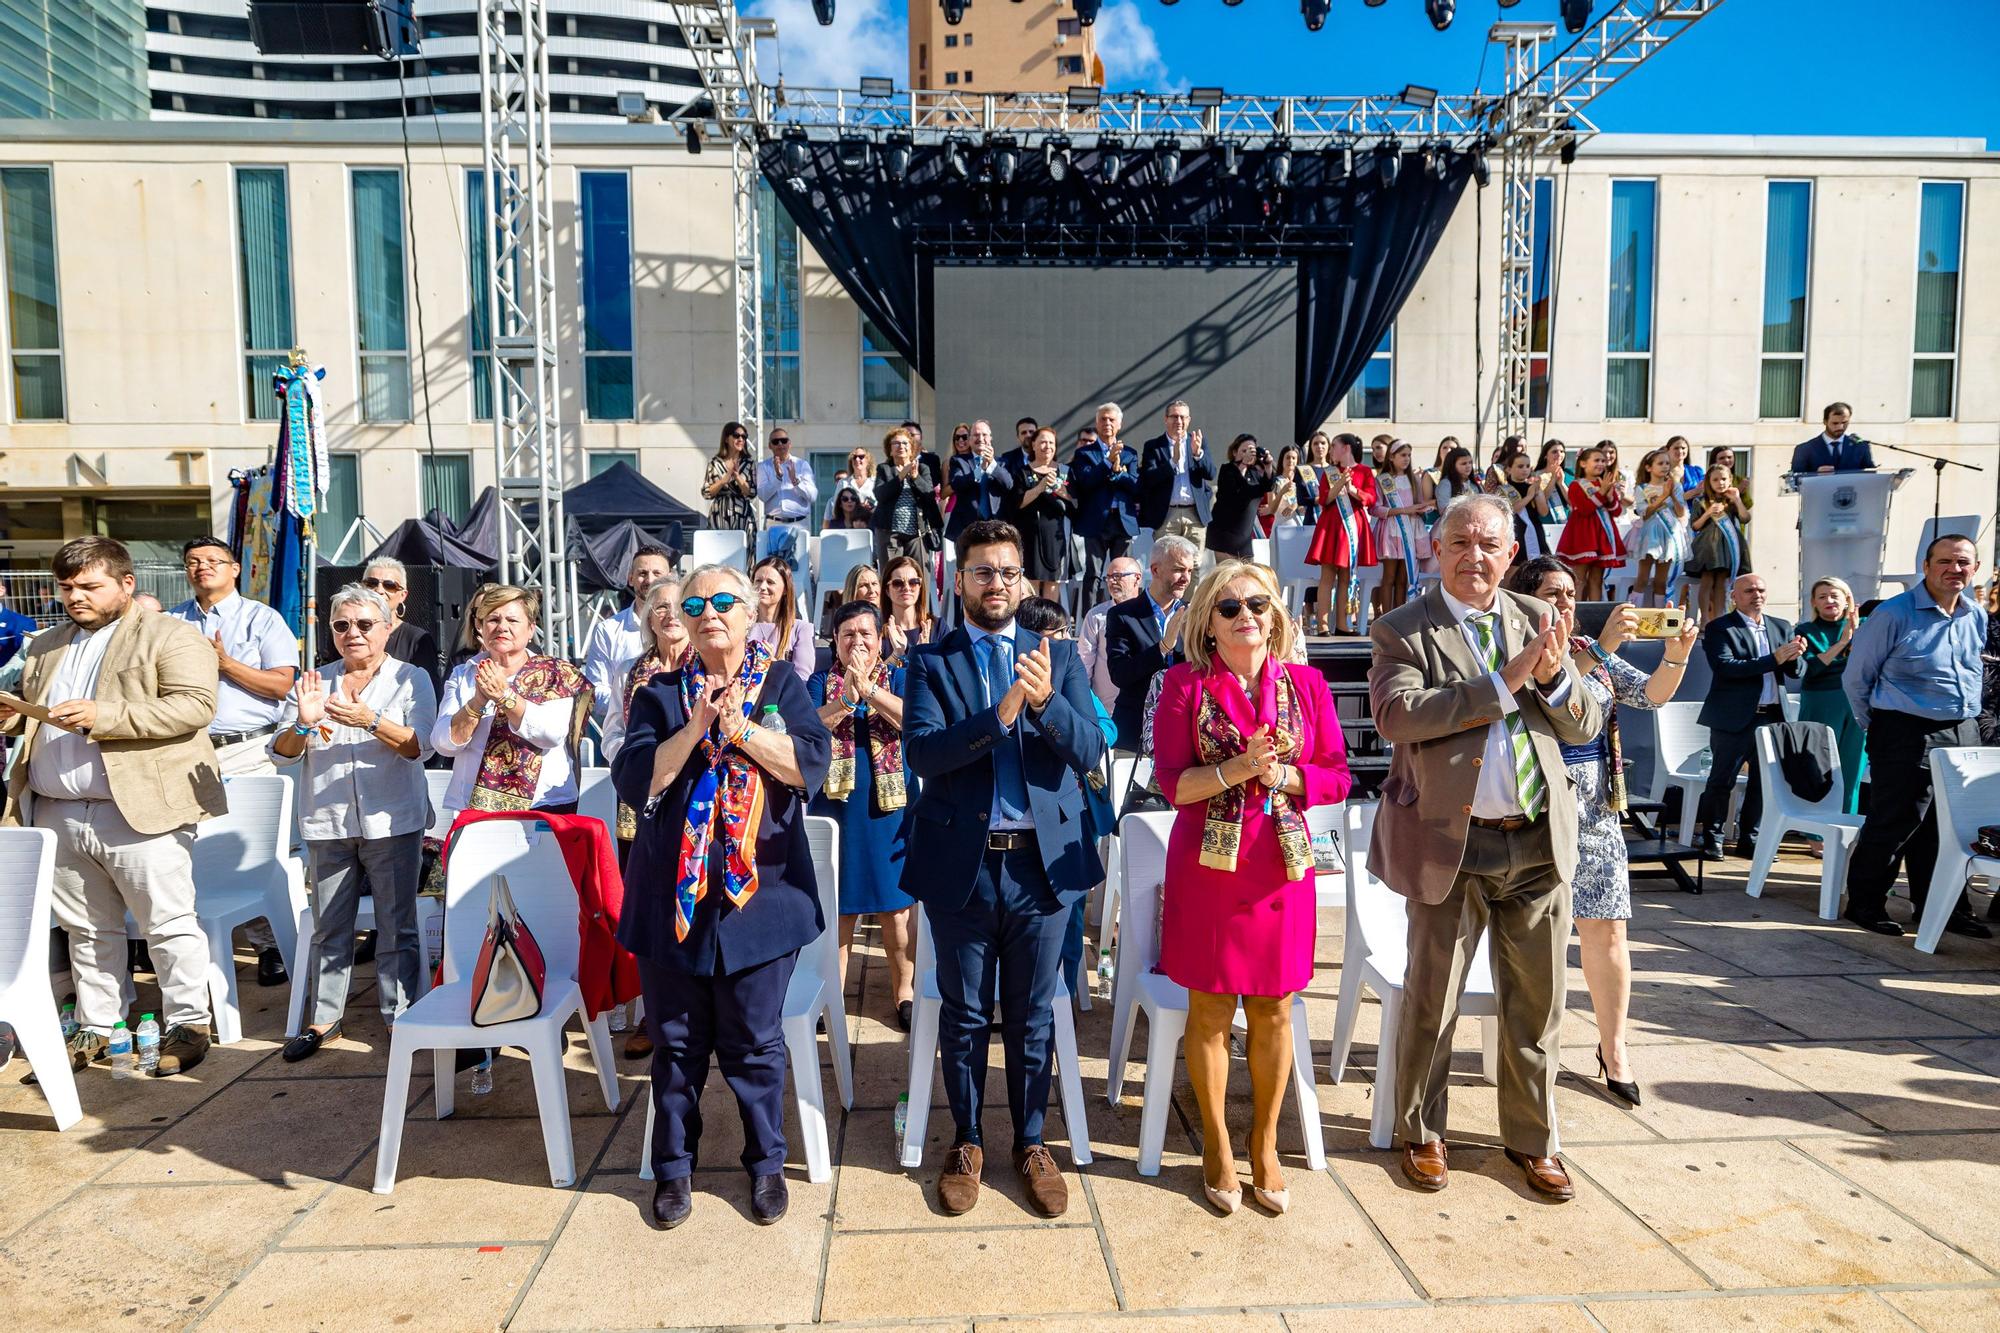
32, 592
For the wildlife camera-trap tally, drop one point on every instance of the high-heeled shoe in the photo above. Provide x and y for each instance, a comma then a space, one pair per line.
1629, 1091
1223, 1201
1273, 1201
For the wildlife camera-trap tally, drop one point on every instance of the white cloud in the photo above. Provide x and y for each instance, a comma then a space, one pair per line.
866, 37
1128, 48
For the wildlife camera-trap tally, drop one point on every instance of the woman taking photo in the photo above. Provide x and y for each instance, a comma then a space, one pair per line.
1401, 538
1245, 745
909, 624
1343, 542
729, 483
720, 894
1280, 507
510, 718
1601, 888
868, 792
1590, 541
1042, 500
778, 625
1240, 487
1828, 636
362, 728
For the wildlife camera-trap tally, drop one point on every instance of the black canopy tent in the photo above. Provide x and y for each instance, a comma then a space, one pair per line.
602, 561
620, 494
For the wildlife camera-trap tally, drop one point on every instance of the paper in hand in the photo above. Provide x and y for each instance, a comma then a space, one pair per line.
22, 706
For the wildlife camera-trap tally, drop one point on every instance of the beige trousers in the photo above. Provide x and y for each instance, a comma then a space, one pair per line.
1181, 522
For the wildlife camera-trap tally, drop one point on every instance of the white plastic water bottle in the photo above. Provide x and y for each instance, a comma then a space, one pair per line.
147, 1044
902, 1116
1107, 972
121, 1051
69, 1023
772, 720
482, 1076
617, 1018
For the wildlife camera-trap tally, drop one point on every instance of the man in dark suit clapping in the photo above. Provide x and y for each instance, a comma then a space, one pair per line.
1140, 633
1750, 655
998, 724
1104, 480
1176, 480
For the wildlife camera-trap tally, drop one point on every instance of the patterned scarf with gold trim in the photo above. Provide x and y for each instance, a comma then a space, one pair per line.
1218, 739
511, 766
885, 748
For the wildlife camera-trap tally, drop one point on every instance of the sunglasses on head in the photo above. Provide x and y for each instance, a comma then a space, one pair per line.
382, 585
1232, 607
358, 626
725, 602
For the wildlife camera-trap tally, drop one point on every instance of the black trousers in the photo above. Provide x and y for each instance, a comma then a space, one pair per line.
1902, 827
739, 1019
1728, 752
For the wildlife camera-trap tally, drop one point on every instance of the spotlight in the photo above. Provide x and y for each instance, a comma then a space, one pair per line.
1110, 160
1205, 97
1388, 159
1418, 96
874, 85
798, 153
1055, 156
954, 11
823, 11
1315, 12
1436, 161
1576, 14
1167, 157
1441, 12
1509, 4
694, 136
1278, 164
1568, 153
1340, 161
1231, 161
1086, 11
1482, 170
1376, 4
998, 163
954, 157
1083, 96
853, 154
1232, 3
896, 156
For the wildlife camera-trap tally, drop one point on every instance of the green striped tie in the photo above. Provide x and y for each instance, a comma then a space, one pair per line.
1528, 782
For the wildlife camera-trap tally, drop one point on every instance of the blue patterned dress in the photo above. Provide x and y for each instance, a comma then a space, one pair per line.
1601, 889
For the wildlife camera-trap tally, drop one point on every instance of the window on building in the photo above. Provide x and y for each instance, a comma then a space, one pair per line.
967, 78
951, 39
885, 378
968, 39
951, 76
1628, 375
380, 294
264, 266
1787, 258
923, 55
1541, 297
1371, 398
447, 484
606, 255
34, 313
1940, 246
341, 504
603, 460
778, 238
1069, 27
827, 465
1069, 64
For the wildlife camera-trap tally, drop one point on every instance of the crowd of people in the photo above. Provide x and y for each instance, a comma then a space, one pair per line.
962, 745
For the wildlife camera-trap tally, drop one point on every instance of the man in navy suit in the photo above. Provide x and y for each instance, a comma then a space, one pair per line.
1104, 479
998, 724
981, 483
1750, 656
1137, 642
1834, 450
1176, 481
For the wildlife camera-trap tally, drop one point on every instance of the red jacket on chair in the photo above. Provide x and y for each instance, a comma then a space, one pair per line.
608, 974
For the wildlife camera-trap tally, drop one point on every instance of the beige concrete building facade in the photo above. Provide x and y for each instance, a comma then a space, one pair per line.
147, 270
1029, 46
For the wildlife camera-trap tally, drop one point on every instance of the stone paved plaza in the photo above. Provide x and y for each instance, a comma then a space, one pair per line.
1819, 1148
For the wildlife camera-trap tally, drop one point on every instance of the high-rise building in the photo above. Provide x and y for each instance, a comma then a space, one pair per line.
72, 60
203, 65
1026, 46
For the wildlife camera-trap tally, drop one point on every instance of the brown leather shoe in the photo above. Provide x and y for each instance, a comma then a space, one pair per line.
1545, 1175
1425, 1165
958, 1186
1043, 1179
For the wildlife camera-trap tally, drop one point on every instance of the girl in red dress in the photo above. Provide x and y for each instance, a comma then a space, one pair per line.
1590, 538
1342, 542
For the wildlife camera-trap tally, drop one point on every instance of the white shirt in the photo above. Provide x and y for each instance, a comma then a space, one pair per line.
1090, 647
614, 646
1768, 696
1183, 488
254, 635
1495, 797
785, 502
355, 786
68, 766
544, 725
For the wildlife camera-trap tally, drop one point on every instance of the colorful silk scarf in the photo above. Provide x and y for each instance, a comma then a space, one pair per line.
1615, 795
885, 748
511, 766
729, 792
1218, 738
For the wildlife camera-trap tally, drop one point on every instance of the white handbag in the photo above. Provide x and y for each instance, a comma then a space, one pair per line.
508, 979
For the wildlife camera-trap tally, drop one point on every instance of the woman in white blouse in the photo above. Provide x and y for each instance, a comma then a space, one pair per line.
361, 727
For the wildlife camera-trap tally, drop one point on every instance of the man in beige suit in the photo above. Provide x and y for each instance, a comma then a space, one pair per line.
121, 777
1474, 688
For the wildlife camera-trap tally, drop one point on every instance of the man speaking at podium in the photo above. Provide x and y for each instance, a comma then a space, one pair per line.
1833, 449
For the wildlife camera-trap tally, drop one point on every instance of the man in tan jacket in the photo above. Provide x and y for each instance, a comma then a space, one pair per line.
1474, 688
121, 774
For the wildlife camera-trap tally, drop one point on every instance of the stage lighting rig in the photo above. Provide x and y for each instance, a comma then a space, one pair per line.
694, 136
1482, 170
1086, 11
1278, 164
955, 160
1441, 12
1340, 161
823, 11
798, 155
896, 156
1000, 160
1388, 160
854, 154
1576, 14
1418, 96
1230, 160
1110, 160
954, 11
1167, 158
1055, 156
1315, 12
1437, 160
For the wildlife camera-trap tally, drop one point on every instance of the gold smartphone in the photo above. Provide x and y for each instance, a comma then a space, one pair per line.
1660, 622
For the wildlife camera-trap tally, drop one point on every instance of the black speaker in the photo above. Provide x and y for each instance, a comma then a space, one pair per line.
333, 27
438, 596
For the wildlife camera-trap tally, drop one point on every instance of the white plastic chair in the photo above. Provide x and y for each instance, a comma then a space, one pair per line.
815, 990
441, 1021
438, 780
1785, 812
1261, 551
1142, 548
1965, 525
244, 869
1679, 759
596, 798
719, 546
1377, 951
1289, 545
1124, 770
1965, 791
924, 1057
1140, 988
841, 552
27, 1000
1331, 888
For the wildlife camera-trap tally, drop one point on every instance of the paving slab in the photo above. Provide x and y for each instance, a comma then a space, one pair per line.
437, 1290
1858, 1310
292, 1130
1772, 949
1948, 1311
1446, 1317
1947, 1183
1709, 1090
877, 1193
1898, 1085
44, 1167
1971, 998
1836, 1008
918, 1274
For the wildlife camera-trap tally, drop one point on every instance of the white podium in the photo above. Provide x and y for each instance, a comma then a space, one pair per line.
1843, 528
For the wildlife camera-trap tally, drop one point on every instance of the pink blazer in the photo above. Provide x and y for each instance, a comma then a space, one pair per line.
1250, 931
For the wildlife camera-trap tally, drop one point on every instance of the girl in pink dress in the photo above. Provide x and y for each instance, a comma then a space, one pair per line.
1590, 540
1244, 745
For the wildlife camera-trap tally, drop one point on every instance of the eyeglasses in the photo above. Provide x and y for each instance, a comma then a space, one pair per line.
223, 563
736, 435
1232, 607
988, 574
1121, 578
358, 626
781, 439
382, 585
723, 602
961, 435
906, 583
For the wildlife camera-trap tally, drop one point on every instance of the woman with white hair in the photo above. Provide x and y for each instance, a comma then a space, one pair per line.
407, 642
360, 727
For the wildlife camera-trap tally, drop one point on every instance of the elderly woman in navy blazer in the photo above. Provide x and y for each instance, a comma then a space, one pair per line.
719, 890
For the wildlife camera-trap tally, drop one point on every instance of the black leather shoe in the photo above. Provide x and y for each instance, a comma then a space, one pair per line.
1628, 1091
1709, 848
306, 1045
1881, 925
673, 1200
1968, 925
1744, 850
768, 1198
364, 947
903, 1010
271, 968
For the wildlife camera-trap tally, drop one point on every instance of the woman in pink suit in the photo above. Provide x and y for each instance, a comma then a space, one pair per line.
1244, 744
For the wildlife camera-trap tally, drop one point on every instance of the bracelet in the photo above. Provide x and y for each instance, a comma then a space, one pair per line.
507, 704
1226, 783
1668, 661
301, 729
374, 722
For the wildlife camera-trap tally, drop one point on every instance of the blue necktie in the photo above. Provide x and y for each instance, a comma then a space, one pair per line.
1010, 783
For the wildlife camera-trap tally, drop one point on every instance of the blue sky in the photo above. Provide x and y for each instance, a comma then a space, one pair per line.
1753, 66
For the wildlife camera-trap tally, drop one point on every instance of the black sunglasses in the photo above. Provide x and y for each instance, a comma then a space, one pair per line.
725, 602
781, 439
1232, 607
383, 585
358, 626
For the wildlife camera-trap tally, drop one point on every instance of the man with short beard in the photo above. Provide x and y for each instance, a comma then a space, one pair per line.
614, 642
